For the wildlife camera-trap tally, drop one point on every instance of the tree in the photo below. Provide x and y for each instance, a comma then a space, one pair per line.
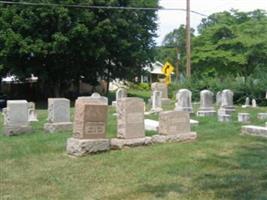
60, 45
231, 43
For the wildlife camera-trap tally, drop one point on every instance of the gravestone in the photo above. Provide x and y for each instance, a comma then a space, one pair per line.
58, 115
32, 112
224, 118
183, 101
130, 118
254, 103
260, 131
262, 116
16, 119
206, 104
90, 124
218, 98
120, 93
227, 106
244, 117
156, 101
163, 88
247, 103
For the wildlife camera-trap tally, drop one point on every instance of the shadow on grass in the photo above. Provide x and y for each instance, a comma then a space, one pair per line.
242, 175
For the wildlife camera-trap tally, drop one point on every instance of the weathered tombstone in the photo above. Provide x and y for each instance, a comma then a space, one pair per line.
58, 115
16, 119
90, 124
163, 88
227, 106
120, 93
218, 98
244, 117
156, 101
262, 116
206, 104
130, 118
174, 126
183, 101
254, 103
32, 112
247, 103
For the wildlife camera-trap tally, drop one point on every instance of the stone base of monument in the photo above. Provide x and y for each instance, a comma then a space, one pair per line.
165, 101
254, 130
81, 147
226, 111
17, 130
224, 118
206, 113
244, 117
185, 109
262, 116
58, 127
159, 139
117, 143
245, 106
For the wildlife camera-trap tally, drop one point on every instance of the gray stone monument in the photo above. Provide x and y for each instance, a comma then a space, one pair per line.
90, 124
227, 106
16, 119
254, 103
32, 112
58, 115
156, 101
247, 103
183, 101
244, 117
206, 104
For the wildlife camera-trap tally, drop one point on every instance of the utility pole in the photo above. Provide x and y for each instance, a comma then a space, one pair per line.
188, 40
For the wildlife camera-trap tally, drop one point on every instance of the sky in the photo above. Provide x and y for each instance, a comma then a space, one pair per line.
169, 20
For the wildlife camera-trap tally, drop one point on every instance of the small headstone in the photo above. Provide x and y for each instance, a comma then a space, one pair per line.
247, 103
184, 101
32, 112
224, 118
254, 130
262, 116
174, 122
218, 98
227, 105
156, 101
206, 104
90, 122
58, 115
16, 119
254, 103
244, 117
130, 118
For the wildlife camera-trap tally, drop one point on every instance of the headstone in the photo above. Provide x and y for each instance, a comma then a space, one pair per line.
260, 131
156, 101
227, 106
224, 118
183, 101
254, 103
32, 112
247, 103
163, 88
174, 122
16, 119
130, 118
262, 116
206, 104
244, 117
90, 124
58, 115
120, 93
218, 98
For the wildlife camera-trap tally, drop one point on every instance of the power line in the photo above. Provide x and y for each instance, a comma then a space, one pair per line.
84, 6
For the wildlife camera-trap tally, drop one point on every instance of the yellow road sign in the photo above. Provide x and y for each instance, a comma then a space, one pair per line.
167, 69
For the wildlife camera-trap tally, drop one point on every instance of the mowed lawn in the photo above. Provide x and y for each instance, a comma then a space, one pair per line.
220, 164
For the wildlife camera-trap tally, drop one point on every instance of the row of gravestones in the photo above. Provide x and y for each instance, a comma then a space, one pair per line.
90, 123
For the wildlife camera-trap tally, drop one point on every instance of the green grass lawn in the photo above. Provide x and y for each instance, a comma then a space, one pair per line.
220, 164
